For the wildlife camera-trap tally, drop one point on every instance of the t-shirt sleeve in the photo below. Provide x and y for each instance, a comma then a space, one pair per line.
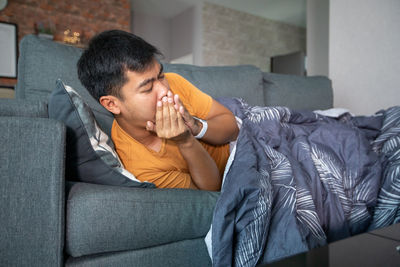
195, 101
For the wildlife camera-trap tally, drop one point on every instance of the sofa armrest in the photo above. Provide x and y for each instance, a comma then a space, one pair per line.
31, 192
23, 108
102, 218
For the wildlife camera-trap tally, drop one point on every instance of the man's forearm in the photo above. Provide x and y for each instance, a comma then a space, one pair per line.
222, 129
202, 167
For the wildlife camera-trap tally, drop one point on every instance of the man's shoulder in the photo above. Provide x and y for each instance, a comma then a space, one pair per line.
178, 84
174, 76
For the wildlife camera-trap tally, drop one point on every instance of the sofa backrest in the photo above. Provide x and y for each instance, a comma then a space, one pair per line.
243, 81
42, 62
298, 92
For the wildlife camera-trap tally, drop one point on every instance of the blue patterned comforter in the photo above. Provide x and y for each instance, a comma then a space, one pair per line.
300, 180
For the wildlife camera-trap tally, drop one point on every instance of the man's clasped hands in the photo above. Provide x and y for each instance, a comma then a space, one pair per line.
173, 121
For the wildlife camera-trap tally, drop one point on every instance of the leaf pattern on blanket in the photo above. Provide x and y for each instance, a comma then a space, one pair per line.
257, 114
307, 215
282, 177
332, 175
387, 144
306, 211
247, 252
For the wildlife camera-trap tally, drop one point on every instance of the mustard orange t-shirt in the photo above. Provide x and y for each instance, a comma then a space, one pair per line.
167, 168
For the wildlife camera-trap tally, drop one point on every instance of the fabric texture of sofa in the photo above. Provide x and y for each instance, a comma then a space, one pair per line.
83, 224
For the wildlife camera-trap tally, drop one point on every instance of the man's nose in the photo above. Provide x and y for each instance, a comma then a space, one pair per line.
162, 90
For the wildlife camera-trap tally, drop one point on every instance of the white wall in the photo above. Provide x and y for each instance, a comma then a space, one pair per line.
178, 37
182, 34
155, 30
198, 38
364, 54
317, 37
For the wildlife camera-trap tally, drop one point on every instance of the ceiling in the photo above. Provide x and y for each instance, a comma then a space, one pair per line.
288, 11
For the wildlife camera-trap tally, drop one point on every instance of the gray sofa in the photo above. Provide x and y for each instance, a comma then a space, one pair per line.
48, 221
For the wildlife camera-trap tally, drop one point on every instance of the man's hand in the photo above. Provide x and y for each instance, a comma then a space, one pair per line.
191, 123
169, 121
171, 124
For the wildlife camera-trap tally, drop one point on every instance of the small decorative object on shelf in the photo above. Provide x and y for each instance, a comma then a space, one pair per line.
45, 30
71, 37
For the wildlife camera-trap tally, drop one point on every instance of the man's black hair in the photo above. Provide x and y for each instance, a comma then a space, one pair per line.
102, 66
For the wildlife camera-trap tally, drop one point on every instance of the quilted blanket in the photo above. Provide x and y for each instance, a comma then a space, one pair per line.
298, 180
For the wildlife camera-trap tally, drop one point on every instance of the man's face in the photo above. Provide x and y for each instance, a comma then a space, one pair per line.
141, 93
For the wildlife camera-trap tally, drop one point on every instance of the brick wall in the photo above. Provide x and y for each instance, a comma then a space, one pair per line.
231, 37
87, 17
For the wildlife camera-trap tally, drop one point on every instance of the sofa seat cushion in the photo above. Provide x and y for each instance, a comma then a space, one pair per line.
298, 92
104, 218
244, 81
191, 252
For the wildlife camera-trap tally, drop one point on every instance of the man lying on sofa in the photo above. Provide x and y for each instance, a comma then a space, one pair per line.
165, 130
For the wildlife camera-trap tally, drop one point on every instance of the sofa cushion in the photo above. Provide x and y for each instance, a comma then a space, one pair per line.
112, 218
42, 62
297, 92
91, 156
189, 252
244, 81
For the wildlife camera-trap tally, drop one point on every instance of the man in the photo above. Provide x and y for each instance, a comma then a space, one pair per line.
165, 131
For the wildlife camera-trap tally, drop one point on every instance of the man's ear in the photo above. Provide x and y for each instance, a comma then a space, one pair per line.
111, 103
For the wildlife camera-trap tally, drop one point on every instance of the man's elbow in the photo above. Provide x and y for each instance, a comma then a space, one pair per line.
233, 130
